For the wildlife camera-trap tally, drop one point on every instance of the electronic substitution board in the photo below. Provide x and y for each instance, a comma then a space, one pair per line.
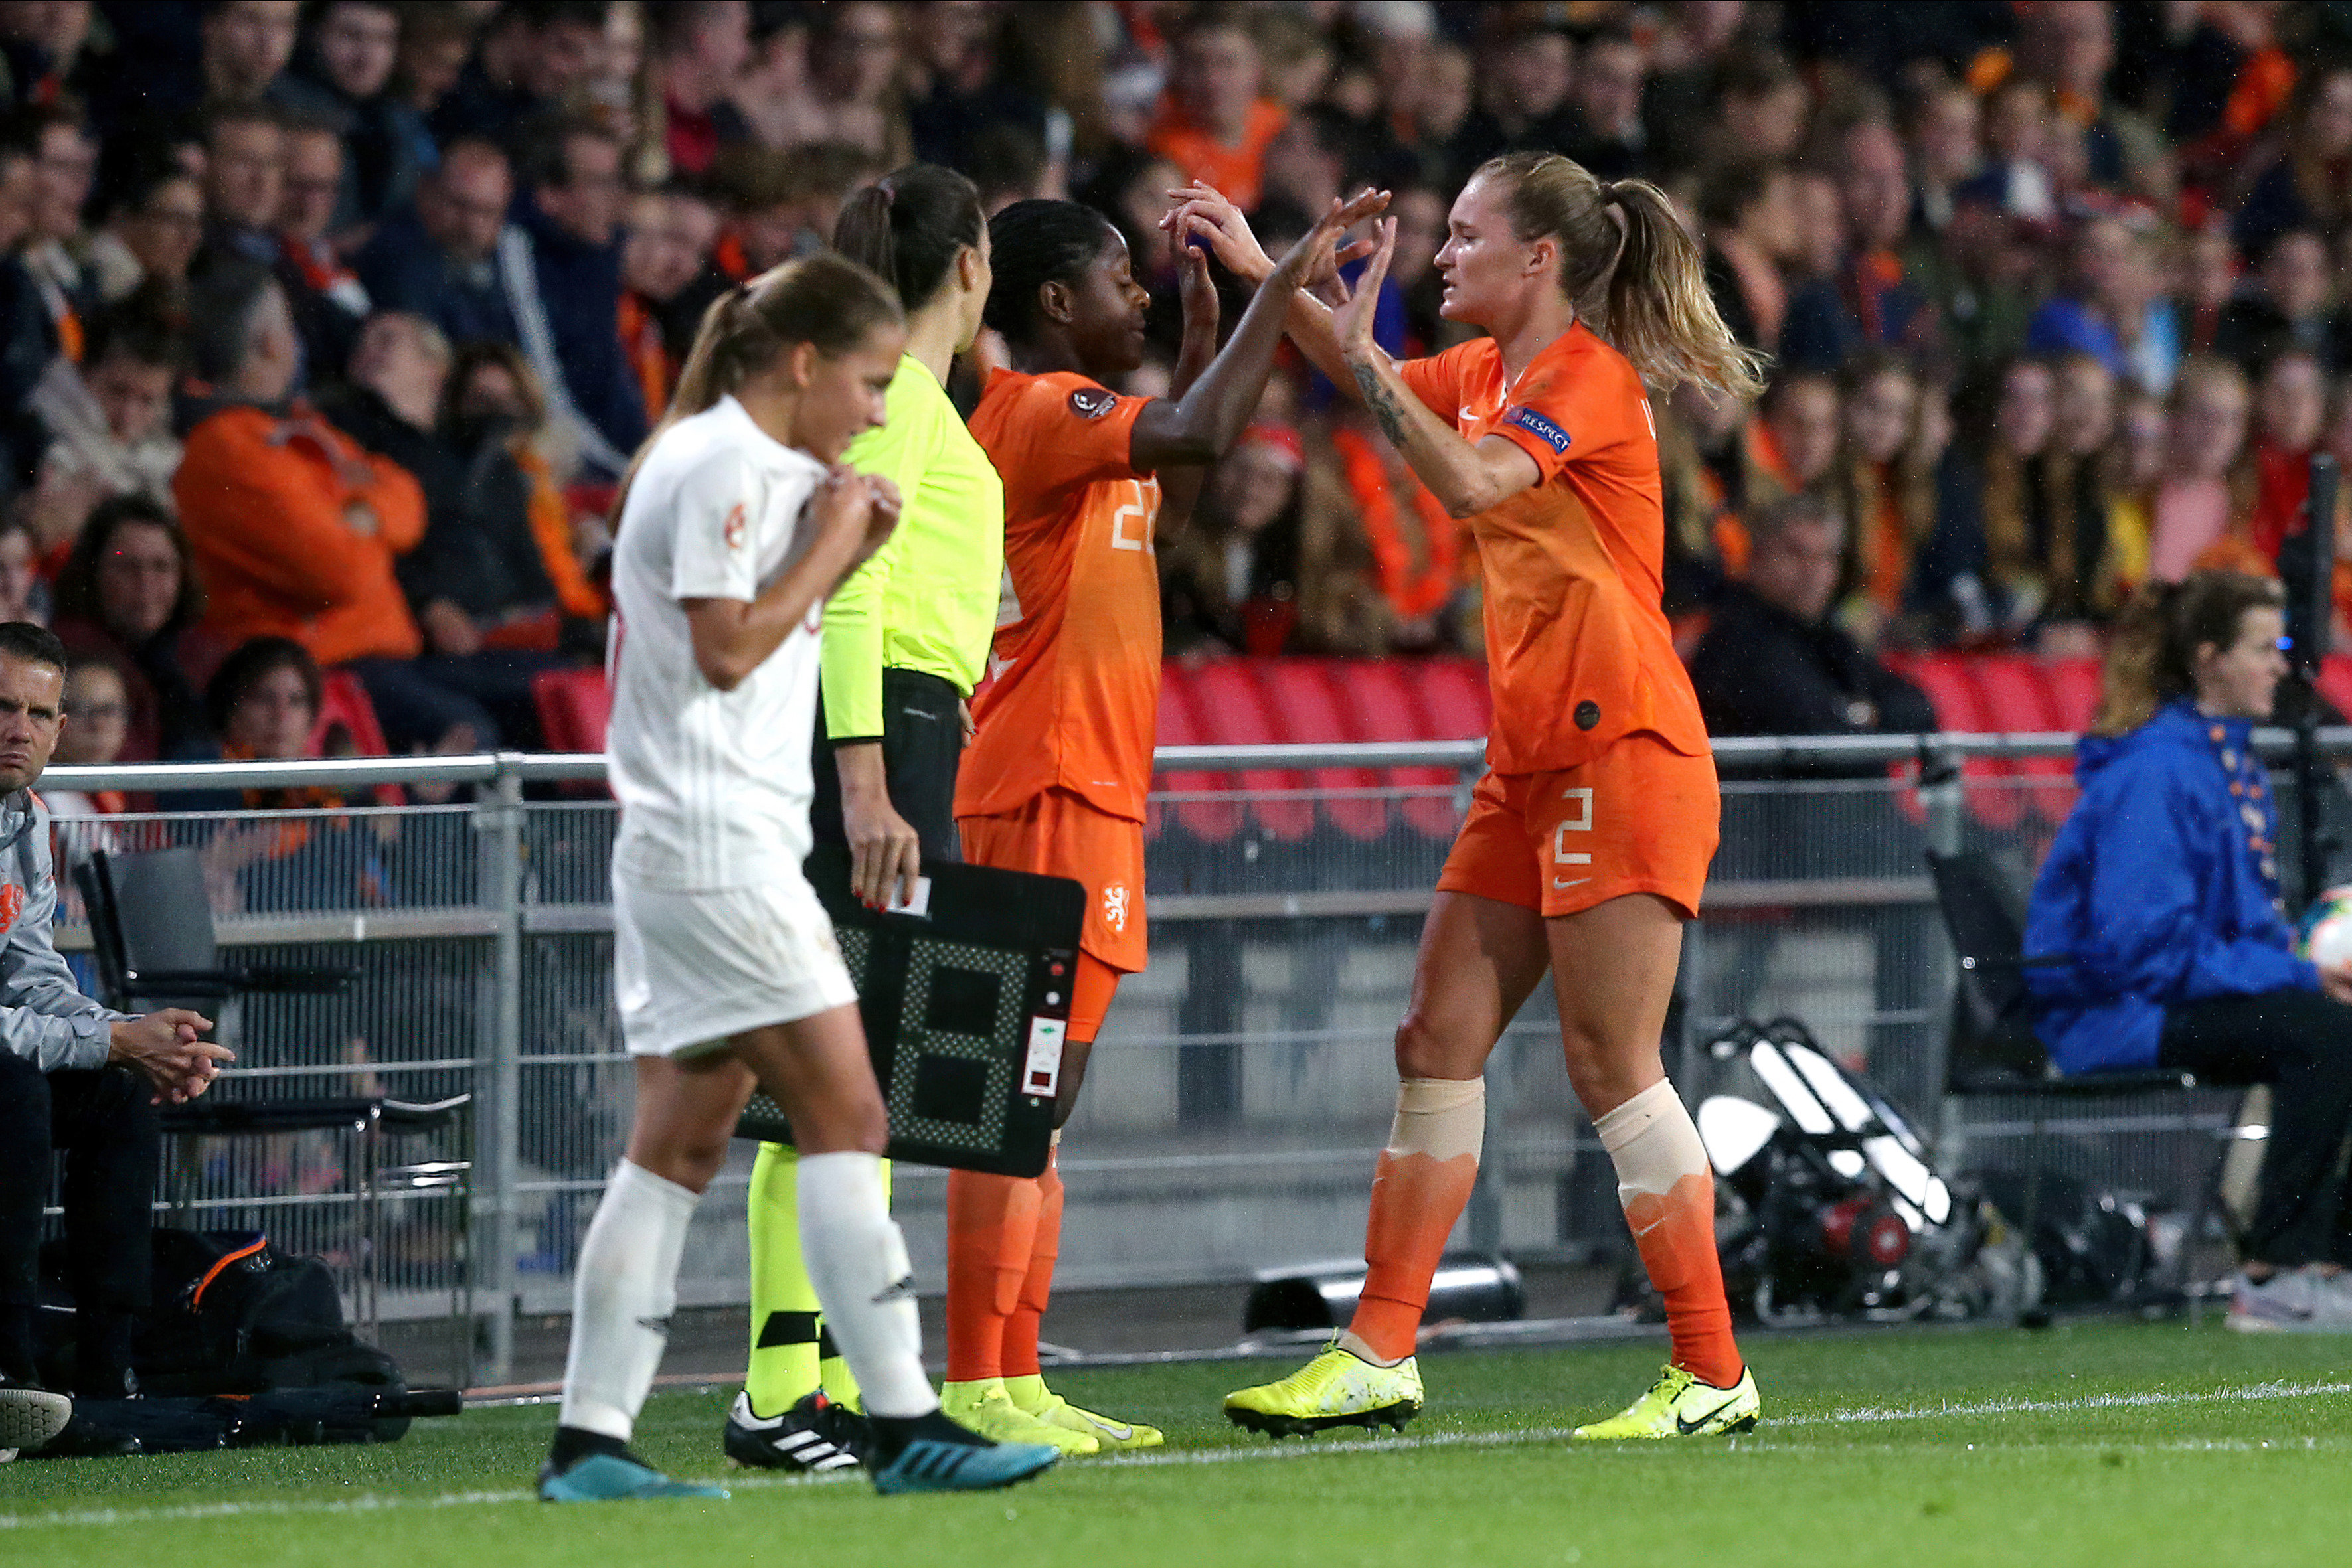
965, 994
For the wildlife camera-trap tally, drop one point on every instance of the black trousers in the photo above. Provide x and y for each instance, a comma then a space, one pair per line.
2300, 1043
107, 1125
922, 745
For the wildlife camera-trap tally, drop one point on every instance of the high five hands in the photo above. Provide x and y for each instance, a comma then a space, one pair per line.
1206, 211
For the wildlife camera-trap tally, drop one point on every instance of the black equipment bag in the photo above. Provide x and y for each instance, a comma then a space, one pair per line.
2093, 1243
232, 1315
290, 1417
965, 996
241, 1344
1827, 1206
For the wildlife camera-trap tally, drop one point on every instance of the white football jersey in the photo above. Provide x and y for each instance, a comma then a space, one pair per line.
714, 786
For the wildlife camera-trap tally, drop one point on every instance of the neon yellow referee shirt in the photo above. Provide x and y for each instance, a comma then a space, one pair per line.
926, 601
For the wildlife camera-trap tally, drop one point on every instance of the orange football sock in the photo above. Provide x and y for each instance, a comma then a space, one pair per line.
991, 1232
1020, 1355
1419, 1189
1668, 1195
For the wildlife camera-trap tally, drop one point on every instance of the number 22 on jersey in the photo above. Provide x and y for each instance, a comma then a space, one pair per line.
1133, 519
1134, 514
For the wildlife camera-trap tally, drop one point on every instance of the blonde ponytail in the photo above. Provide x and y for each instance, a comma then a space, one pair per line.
1638, 278
1660, 315
825, 299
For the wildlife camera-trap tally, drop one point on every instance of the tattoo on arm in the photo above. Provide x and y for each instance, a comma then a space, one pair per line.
1382, 402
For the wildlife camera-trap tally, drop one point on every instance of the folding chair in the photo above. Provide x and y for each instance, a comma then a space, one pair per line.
151, 927
152, 937
1993, 1052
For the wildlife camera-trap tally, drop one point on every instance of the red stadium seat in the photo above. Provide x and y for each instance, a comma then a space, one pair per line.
1454, 695
2074, 691
1381, 705
574, 708
1306, 709
2015, 701
1212, 821
1233, 710
1960, 706
1957, 704
2018, 701
344, 706
347, 726
2335, 681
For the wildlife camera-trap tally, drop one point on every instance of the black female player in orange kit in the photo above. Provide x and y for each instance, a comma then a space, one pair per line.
1056, 778
1588, 841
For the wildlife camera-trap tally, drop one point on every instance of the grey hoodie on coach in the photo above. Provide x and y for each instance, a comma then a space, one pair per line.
44, 1017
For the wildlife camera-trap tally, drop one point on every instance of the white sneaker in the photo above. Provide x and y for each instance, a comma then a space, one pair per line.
2331, 1298
2289, 1302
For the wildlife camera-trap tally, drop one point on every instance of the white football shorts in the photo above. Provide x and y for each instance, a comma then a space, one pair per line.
690, 969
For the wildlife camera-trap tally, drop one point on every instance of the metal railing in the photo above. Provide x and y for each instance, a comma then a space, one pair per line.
1242, 1083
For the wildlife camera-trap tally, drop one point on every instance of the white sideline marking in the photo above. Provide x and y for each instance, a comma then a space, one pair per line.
1254, 1453
2255, 1394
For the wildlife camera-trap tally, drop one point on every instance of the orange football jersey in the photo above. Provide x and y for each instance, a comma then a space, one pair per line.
1579, 651
1073, 693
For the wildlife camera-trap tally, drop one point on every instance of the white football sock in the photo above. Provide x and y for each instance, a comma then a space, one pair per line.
857, 1259
622, 1295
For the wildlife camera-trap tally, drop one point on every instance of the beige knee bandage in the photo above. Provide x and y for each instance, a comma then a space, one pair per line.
1653, 1141
1443, 1118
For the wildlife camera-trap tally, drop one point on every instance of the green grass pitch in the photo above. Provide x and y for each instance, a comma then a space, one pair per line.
2096, 1442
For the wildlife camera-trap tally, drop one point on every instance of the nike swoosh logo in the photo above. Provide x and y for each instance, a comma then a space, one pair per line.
1689, 1427
654, 1325
1118, 1434
904, 1290
1572, 882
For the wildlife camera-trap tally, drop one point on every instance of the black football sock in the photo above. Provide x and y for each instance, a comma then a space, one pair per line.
573, 1444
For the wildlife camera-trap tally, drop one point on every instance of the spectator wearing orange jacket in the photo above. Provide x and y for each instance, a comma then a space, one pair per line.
1215, 125
294, 526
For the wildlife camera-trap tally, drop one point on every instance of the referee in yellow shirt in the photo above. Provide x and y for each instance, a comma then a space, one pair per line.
906, 640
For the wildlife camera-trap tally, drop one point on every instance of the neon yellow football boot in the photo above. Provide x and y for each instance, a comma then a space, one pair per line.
983, 1405
1338, 1388
1680, 1406
1032, 1398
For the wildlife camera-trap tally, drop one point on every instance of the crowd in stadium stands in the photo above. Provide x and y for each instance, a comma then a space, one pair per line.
334, 322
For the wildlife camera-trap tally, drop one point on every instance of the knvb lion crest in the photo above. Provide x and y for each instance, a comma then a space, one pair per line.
1114, 900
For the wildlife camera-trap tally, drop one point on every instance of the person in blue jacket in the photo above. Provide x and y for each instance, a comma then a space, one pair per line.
2162, 890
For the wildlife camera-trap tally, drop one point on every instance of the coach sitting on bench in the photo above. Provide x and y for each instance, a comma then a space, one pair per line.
73, 1075
2162, 894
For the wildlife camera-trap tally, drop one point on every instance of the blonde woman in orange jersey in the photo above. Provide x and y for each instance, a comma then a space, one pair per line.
1055, 776
1588, 841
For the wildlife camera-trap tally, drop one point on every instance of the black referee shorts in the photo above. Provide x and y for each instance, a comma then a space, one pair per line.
923, 743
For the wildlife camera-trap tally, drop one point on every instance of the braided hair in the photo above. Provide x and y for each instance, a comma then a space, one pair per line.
1034, 243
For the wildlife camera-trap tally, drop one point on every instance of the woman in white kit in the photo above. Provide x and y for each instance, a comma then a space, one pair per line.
736, 524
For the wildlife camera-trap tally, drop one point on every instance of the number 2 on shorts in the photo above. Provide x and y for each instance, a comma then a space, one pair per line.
1580, 823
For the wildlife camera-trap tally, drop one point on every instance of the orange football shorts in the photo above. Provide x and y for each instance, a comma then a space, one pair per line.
1057, 833
1639, 818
